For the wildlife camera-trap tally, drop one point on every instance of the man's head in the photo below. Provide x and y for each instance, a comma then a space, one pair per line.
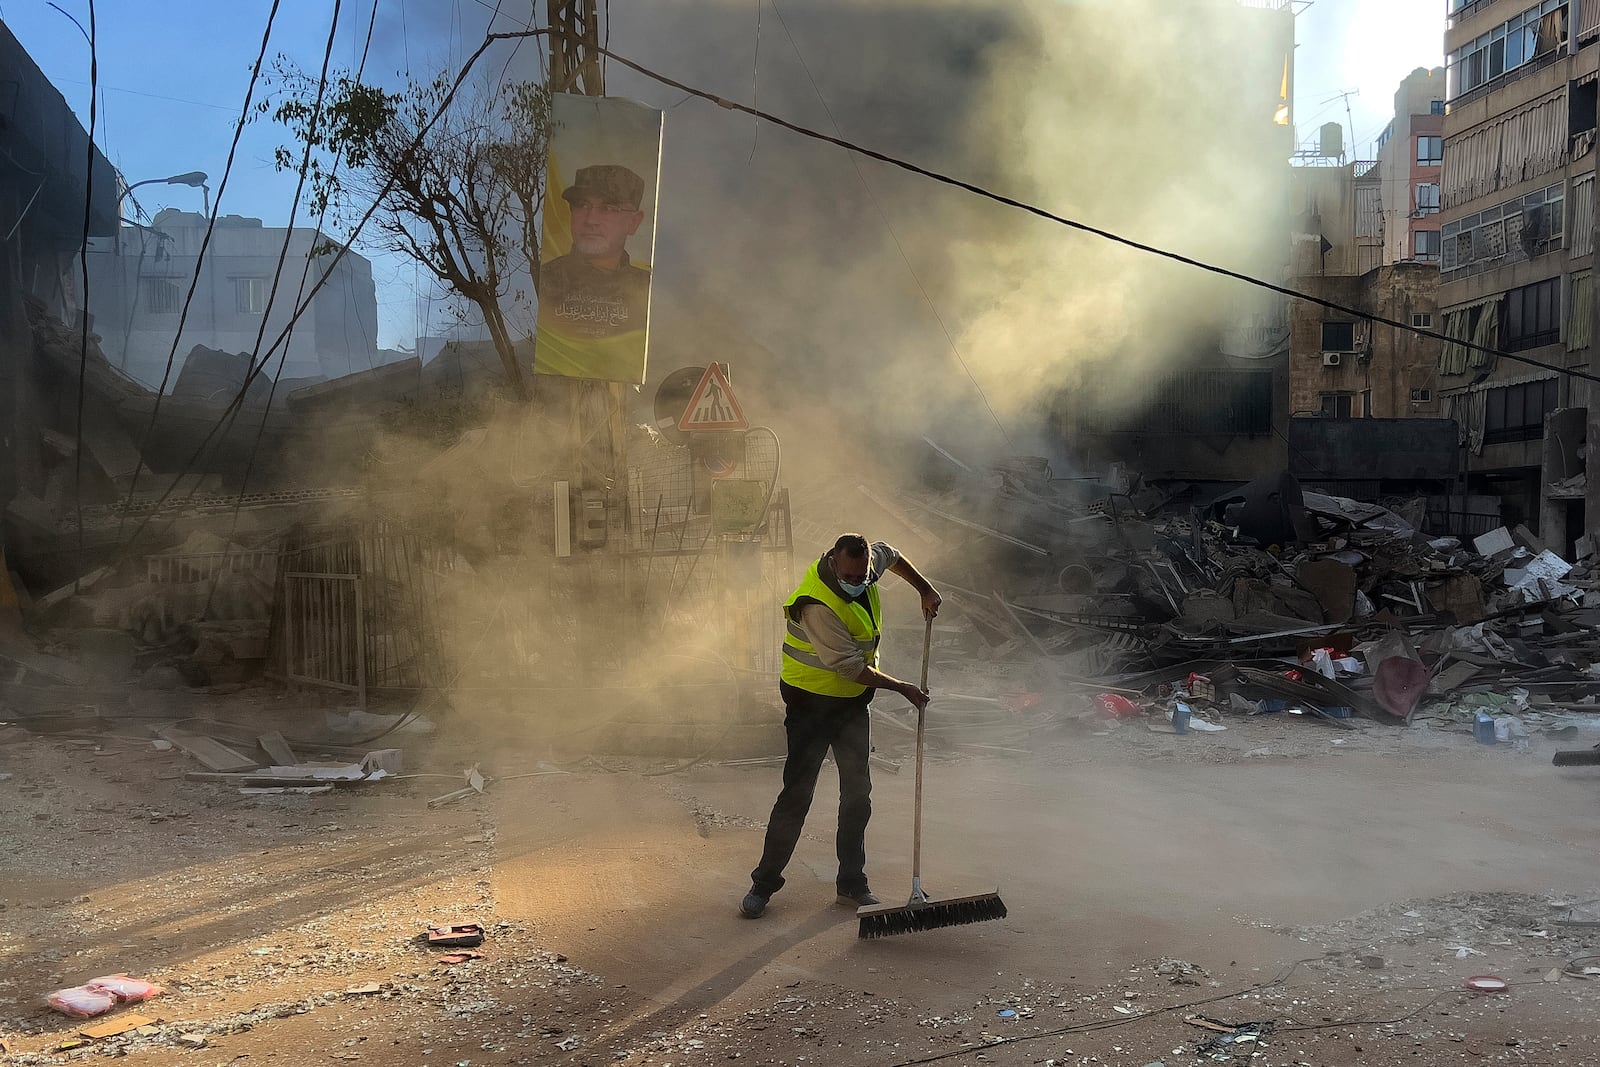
605, 203
851, 557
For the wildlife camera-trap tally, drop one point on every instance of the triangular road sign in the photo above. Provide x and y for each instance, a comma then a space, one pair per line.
713, 405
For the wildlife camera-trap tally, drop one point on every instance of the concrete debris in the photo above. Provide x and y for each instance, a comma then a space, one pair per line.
1272, 598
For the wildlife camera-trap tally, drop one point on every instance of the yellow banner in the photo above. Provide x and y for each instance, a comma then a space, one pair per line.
598, 238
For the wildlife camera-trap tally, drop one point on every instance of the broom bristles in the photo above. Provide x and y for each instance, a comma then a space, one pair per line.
886, 920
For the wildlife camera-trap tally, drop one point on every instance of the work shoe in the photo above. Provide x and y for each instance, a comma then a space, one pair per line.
863, 899
753, 905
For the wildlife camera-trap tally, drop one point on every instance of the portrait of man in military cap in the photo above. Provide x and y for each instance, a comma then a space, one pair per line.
595, 290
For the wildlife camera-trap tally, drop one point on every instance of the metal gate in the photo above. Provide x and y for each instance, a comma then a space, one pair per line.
324, 634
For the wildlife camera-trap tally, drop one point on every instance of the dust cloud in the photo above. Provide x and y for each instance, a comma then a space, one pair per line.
1153, 120
856, 302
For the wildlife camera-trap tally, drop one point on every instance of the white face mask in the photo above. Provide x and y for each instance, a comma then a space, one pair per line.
853, 590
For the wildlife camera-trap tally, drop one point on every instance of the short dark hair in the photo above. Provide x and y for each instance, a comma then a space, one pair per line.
852, 545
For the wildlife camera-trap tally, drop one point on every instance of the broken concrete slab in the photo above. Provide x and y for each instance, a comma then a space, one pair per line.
209, 751
1494, 542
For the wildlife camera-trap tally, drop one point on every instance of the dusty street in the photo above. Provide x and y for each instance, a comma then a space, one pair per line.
1340, 892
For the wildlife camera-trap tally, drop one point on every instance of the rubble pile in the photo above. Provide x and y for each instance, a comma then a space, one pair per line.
1268, 598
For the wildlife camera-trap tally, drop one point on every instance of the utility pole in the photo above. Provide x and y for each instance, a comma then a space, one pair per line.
597, 409
575, 48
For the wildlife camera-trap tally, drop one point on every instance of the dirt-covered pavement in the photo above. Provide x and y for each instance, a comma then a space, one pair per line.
1339, 894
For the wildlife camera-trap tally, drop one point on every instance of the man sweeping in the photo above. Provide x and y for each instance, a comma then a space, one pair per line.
830, 672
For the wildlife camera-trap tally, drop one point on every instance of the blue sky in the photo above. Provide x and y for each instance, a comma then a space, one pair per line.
174, 75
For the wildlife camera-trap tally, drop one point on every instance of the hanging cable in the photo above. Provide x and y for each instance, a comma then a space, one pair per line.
277, 275
83, 258
199, 263
343, 250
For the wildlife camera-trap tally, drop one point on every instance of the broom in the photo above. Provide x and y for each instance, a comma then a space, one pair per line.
921, 913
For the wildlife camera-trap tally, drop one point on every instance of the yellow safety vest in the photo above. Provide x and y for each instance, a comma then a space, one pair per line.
802, 668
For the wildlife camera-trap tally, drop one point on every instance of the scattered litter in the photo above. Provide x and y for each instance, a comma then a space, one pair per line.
466, 935
122, 1024
1487, 983
1180, 972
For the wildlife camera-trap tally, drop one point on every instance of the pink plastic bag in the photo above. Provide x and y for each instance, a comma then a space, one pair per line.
82, 1001
128, 990
99, 995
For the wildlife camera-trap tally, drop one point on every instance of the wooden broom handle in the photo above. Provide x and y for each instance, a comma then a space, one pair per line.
922, 714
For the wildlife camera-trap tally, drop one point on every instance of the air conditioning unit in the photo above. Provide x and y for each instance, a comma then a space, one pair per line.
1332, 359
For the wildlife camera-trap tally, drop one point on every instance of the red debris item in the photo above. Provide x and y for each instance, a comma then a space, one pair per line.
1487, 983
468, 935
125, 989
1115, 706
1399, 684
1200, 687
453, 958
1293, 675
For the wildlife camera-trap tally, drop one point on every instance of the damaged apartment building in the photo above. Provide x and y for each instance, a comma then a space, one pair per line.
1363, 396
1516, 221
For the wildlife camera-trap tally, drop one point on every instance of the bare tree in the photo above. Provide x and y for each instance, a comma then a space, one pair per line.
462, 197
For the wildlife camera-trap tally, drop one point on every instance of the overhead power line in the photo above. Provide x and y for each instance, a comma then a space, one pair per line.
894, 237
1083, 227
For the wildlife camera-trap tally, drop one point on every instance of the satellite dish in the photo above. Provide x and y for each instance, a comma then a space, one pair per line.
672, 396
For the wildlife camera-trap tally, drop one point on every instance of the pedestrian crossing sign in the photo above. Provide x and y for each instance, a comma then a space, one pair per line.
713, 405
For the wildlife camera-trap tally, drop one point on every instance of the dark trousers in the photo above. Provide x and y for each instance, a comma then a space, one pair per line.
815, 724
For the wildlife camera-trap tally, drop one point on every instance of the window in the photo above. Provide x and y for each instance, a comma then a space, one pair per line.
1581, 107
1543, 224
1516, 412
1426, 246
1430, 151
1512, 232
1422, 321
250, 295
1533, 316
1338, 337
1427, 198
1537, 31
1436, 107
1421, 396
160, 296
1337, 405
